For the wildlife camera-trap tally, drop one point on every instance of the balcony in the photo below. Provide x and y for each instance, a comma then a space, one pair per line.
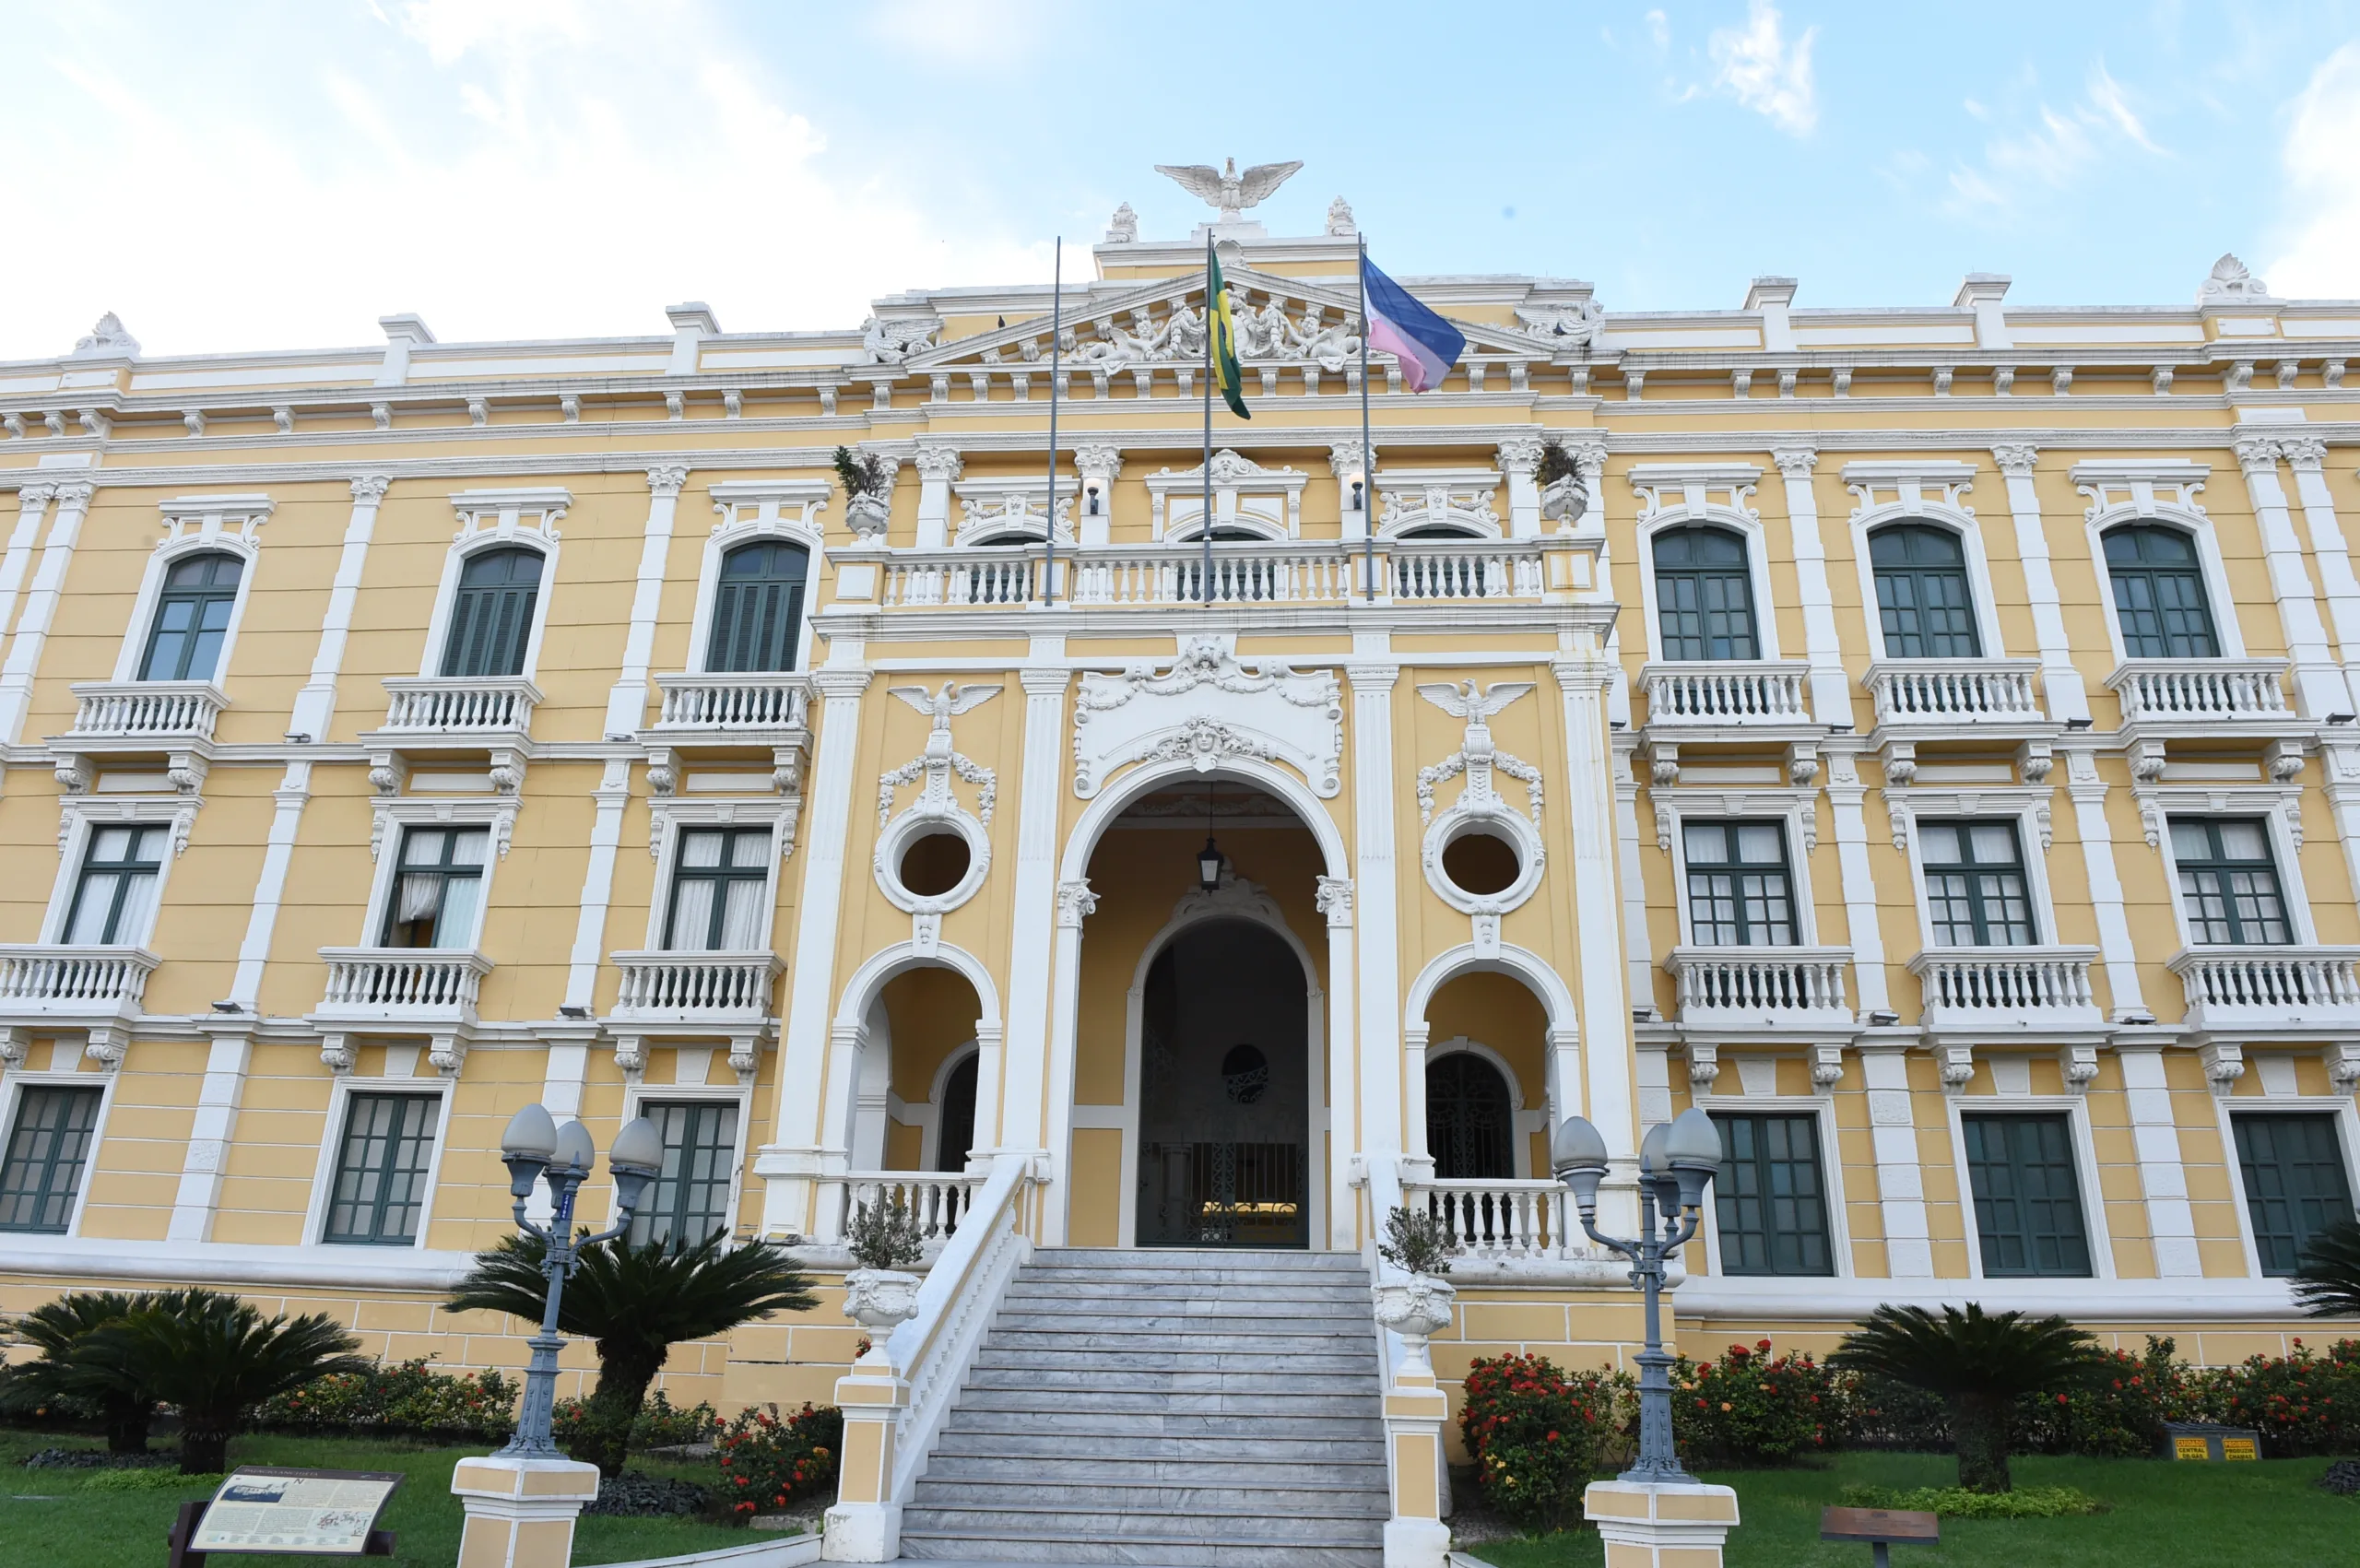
2194, 697
1945, 695
938, 1200
2270, 987
2022, 989
1280, 573
431, 989
754, 708
1501, 1220
154, 715
1717, 694
1760, 988
48, 980
687, 990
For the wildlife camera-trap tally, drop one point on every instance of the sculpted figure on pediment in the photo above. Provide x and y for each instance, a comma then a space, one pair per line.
1331, 344
891, 341
1571, 324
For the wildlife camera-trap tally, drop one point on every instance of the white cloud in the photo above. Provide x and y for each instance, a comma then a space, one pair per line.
1757, 66
545, 167
2054, 154
2322, 261
1660, 30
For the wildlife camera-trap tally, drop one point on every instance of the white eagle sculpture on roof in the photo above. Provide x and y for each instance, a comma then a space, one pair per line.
1227, 189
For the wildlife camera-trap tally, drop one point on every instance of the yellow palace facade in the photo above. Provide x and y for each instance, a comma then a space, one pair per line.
1923, 737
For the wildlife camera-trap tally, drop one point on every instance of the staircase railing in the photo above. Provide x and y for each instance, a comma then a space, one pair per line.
1417, 1471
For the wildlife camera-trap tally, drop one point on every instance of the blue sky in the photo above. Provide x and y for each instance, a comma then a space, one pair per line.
281, 174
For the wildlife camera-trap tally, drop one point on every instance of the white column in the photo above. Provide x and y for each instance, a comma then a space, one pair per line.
1845, 794
2319, 684
1590, 809
1031, 1076
41, 608
1520, 462
1375, 897
1076, 903
1831, 689
2308, 456
2342, 764
1638, 947
938, 469
1099, 464
33, 502
598, 884
1335, 901
791, 1162
1347, 462
2059, 680
627, 705
199, 1194
2162, 1175
2115, 946
1901, 1185
279, 852
315, 704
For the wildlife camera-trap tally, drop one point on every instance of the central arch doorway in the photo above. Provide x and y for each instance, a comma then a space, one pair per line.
1225, 1145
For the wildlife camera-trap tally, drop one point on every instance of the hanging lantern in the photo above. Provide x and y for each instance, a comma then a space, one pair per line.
1209, 866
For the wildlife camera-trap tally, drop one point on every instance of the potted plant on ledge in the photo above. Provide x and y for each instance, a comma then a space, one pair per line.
865, 502
1420, 1305
883, 1241
1562, 494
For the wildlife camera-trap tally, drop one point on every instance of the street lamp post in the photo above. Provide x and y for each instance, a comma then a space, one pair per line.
534, 1149
1676, 1166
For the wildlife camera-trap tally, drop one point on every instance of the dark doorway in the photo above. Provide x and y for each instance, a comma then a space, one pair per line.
1470, 1130
1225, 1090
954, 1127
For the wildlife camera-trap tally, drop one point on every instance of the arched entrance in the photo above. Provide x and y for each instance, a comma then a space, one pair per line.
1225, 1150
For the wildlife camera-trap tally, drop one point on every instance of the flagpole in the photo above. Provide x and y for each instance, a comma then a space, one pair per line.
1056, 338
1368, 452
1205, 522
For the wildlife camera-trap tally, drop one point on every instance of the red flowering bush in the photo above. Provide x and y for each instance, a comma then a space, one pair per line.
1751, 1407
2305, 1403
2118, 1414
1536, 1434
769, 1461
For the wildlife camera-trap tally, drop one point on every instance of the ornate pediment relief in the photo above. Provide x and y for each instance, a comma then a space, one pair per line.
1208, 709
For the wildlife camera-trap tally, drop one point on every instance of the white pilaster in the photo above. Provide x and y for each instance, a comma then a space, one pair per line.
627, 705
1099, 464
199, 1194
939, 469
2162, 1176
1076, 903
32, 503
1605, 1005
2341, 765
1845, 795
1638, 946
41, 609
1831, 689
279, 852
1901, 1186
598, 885
1031, 1076
1375, 897
2319, 684
315, 704
1520, 462
2308, 456
2060, 681
2087, 791
1336, 900
1349, 465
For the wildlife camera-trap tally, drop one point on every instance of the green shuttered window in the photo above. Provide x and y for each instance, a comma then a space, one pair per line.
49, 1148
1770, 1200
381, 1173
2295, 1184
2027, 1196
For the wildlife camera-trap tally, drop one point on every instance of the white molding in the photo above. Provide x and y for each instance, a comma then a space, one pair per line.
12, 1094
2347, 1129
1821, 1108
1689, 486
1911, 504
2027, 807
927, 1117
637, 1093
667, 815
392, 817
2279, 808
1794, 810
80, 816
506, 510
2140, 503
2076, 1111
224, 525
731, 498
341, 1088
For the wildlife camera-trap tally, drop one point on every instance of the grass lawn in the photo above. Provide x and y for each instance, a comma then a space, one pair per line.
2163, 1513
46, 1519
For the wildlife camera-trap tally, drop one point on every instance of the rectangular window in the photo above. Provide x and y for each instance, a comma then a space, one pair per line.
717, 891
2295, 1185
116, 891
48, 1149
381, 1171
1974, 884
1768, 1198
2228, 883
2027, 1198
438, 887
690, 1198
1739, 894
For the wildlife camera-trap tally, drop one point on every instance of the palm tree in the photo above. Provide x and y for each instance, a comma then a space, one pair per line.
1979, 1362
213, 1357
2326, 1280
636, 1302
61, 1331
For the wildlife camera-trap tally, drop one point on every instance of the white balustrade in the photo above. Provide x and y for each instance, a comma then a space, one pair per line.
1174, 574
431, 705
748, 703
1465, 569
936, 1200
980, 576
1764, 987
1278, 572
48, 977
2200, 690
1494, 1222
136, 710
1942, 691
1726, 692
2286, 986
722, 987
398, 982
2003, 987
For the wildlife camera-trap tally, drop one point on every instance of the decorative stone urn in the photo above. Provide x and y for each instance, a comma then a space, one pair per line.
1415, 1307
866, 515
881, 1299
1562, 499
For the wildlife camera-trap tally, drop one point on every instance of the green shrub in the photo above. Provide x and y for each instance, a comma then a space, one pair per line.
2120, 1414
409, 1397
1880, 1413
659, 1424
1537, 1434
144, 1479
770, 1462
2304, 1403
1750, 1408
1959, 1503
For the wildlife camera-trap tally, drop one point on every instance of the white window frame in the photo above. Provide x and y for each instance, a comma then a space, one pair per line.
12, 1094
1693, 484
2343, 1108
341, 1089
2139, 484
1909, 482
751, 511
669, 815
2276, 805
197, 524
1830, 1164
2085, 1172
1448, 485
927, 1117
393, 821
1524, 1120
80, 818
637, 1093
2027, 806
1794, 810
496, 520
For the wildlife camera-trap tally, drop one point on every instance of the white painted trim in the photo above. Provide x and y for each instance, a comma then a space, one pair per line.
1794, 811
1535, 973
80, 817
637, 1093
495, 815
1822, 1109
244, 548
2347, 1122
669, 815
289, 798
1695, 483
508, 531
2019, 805
734, 531
1949, 518
2188, 519
2133, 1301
612, 798
341, 1089
315, 707
2076, 1111
2194, 801
12, 1094
928, 1118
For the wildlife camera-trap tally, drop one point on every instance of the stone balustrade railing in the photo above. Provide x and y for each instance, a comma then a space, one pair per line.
1945, 692
762, 703
2001, 988
53, 977
1499, 1220
459, 705
688, 987
1284, 572
1760, 986
2253, 986
1726, 692
397, 983
137, 710
2199, 689
936, 1200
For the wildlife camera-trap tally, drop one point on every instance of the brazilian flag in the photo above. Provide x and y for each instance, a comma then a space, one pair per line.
1227, 374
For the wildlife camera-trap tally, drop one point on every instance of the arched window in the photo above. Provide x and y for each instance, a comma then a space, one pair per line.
954, 1123
1433, 531
1703, 595
491, 616
757, 607
1470, 1128
192, 617
2159, 599
1923, 600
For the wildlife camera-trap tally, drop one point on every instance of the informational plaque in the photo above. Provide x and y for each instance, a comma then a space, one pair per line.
262, 1509
2206, 1442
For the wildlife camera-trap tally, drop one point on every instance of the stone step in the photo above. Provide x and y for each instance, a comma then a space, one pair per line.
1132, 1500
1106, 1316
1340, 1297
951, 1547
1079, 1401
1147, 1380
1324, 1342
1016, 1521
1361, 1443
1197, 1257
1357, 1361
1202, 1464
1062, 1422
1290, 1279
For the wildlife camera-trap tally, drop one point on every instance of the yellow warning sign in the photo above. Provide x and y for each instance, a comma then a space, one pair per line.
2238, 1448
2190, 1448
